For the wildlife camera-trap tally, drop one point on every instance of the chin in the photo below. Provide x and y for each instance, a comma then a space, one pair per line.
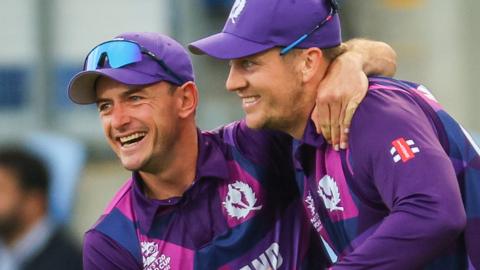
254, 123
131, 165
260, 121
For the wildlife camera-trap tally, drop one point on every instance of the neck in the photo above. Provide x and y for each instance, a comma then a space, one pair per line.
311, 89
176, 176
299, 114
298, 129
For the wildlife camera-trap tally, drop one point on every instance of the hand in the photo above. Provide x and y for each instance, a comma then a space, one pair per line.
338, 96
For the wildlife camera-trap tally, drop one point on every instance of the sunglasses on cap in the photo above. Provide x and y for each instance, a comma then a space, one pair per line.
333, 10
121, 53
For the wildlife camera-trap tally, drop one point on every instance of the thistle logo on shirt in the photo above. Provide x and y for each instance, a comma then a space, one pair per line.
151, 258
240, 200
237, 9
270, 259
328, 190
402, 150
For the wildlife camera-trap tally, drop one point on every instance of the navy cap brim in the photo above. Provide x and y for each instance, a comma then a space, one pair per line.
81, 88
227, 46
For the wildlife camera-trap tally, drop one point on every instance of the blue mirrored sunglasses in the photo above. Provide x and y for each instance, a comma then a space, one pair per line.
333, 10
121, 53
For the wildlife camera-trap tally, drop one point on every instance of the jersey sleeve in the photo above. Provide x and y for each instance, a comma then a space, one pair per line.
101, 252
402, 168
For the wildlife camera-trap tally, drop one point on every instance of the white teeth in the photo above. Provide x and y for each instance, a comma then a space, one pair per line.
249, 99
132, 137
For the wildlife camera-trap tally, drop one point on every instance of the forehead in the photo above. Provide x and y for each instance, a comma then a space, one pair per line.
271, 57
106, 87
269, 54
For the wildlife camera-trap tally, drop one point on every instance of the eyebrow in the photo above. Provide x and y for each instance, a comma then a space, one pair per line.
132, 90
126, 93
245, 58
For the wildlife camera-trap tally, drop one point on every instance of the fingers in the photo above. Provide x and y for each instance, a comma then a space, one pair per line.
333, 122
343, 128
346, 122
316, 119
344, 131
335, 116
324, 121
327, 134
338, 96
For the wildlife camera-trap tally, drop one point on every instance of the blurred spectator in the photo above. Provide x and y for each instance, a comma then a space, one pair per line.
28, 238
64, 172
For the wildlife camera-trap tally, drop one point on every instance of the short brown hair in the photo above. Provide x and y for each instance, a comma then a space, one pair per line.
172, 87
329, 53
334, 52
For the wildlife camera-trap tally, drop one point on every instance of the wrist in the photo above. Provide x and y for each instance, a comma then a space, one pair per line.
353, 58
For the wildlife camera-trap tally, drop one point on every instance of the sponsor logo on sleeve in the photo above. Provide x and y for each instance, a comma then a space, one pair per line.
403, 150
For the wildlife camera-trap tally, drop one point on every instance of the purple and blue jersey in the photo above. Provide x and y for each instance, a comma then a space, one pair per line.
243, 211
405, 195
399, 198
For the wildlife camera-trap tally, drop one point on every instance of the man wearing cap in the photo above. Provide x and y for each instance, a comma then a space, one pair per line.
225, 199
393, 200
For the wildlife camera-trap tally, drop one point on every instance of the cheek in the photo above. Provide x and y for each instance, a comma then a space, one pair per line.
104, 121
164, 116
281, 97
165, 124
107, 132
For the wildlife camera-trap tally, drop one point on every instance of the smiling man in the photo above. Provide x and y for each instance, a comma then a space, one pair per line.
405, 195
195, 200
224, 199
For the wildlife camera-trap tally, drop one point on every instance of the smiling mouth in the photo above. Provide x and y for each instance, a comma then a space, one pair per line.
249, 100
132, 138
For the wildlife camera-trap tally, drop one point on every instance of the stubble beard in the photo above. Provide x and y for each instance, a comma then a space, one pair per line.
159, 157
289, 116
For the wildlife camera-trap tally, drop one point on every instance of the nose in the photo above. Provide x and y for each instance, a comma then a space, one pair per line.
120, 116
235, 81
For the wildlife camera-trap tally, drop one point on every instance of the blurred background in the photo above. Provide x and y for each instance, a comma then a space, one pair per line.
44, 43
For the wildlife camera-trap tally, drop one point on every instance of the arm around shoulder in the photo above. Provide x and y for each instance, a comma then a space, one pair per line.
376, 57
345, 85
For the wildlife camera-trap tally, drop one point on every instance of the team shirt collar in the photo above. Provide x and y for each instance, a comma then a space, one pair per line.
310, 138
211, 163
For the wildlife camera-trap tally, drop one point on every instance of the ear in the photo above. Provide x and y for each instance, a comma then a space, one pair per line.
188, 99
313, 63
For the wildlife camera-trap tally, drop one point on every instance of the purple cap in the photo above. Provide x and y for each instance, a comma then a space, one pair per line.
254, 26
81, 89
